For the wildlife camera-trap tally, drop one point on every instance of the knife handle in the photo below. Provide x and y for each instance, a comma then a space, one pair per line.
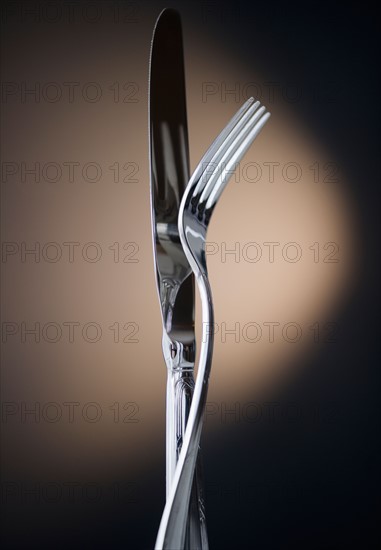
196, 530
180, 386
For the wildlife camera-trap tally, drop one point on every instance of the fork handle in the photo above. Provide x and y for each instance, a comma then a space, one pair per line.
180, 385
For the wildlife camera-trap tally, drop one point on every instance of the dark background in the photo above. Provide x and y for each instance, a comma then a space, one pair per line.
312, 484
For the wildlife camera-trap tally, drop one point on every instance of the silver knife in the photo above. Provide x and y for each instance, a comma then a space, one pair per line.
169, 176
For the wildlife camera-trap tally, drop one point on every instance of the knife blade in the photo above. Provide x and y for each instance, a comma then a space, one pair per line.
170, 173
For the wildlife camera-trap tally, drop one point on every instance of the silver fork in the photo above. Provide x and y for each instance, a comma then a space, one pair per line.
197, 205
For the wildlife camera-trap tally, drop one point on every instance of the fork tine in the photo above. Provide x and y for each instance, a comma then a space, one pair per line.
223, 134
222, 142
219, 186
228, 151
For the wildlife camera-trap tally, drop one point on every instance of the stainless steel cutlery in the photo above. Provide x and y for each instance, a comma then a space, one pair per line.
181, 209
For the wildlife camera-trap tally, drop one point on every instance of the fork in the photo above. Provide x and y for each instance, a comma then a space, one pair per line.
198, 202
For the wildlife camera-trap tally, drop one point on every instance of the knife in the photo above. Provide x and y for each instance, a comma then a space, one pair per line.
169, 176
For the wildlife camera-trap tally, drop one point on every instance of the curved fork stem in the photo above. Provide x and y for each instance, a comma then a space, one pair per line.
172, 530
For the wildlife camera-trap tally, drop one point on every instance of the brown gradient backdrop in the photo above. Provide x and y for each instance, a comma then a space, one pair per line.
106, 212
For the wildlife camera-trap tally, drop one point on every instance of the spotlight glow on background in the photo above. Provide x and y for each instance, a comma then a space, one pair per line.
107, 212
